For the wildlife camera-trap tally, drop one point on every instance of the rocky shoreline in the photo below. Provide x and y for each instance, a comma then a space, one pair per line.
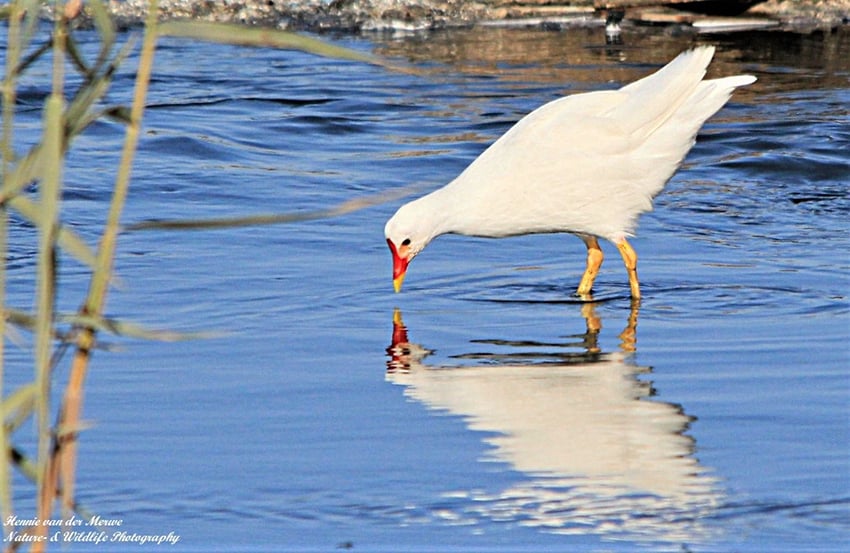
356, 16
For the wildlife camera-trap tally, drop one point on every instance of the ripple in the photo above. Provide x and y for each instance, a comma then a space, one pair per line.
536, 293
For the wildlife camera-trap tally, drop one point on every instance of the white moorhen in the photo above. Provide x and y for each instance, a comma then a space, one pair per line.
587, 164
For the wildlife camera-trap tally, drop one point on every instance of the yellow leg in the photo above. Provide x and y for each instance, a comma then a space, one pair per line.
630, 259
594, 261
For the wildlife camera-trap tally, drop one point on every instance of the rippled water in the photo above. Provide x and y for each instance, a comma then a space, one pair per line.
484, 408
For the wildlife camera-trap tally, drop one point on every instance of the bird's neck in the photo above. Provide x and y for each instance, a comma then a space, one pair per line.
438, 213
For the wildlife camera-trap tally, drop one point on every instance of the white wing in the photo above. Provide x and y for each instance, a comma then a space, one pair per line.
589, 163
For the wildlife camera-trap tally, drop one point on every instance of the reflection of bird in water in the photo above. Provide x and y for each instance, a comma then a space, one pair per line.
599, 453
587, 164
612, 26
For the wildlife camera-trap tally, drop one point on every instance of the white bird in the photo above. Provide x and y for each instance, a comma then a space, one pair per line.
587, 164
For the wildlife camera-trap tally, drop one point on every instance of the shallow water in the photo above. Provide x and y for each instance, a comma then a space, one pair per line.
484, 408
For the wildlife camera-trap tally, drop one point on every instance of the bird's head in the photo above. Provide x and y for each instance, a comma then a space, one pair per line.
406, 236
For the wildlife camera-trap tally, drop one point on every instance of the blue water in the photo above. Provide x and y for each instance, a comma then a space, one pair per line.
504, 415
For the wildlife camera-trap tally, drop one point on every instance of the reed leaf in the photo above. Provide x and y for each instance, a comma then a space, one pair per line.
76, 58
105, 28
116, 327
19, 318
28, 469
24, 464
25, 172
27, 321
67, 239
102, 21
226, 33
77, 120
66, 430
78, 110
343, 208
31, 10
132, 330
119, 114
26, 12
18, 407
32, 57
13, 53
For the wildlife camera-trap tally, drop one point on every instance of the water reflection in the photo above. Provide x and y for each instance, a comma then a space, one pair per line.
583, 57
597, 453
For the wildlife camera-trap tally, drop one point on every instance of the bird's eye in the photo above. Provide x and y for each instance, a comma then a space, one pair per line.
406, 242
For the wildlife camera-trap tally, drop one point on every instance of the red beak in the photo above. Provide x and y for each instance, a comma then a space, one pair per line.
399, 266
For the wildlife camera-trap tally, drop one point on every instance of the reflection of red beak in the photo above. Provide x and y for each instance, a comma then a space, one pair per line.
399, 349
399, 266
399, 330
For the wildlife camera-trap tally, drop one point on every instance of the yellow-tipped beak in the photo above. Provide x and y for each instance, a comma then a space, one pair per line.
399, 265
397, 282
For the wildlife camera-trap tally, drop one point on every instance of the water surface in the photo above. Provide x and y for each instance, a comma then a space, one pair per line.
484, 408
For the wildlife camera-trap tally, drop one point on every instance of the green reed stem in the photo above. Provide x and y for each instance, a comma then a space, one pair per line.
46, 296
106, 250
13, 54
50, 187
69, 420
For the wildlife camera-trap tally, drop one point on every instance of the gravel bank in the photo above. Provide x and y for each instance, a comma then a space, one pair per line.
411, 15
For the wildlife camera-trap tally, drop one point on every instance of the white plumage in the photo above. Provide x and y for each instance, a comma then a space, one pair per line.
587, 164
